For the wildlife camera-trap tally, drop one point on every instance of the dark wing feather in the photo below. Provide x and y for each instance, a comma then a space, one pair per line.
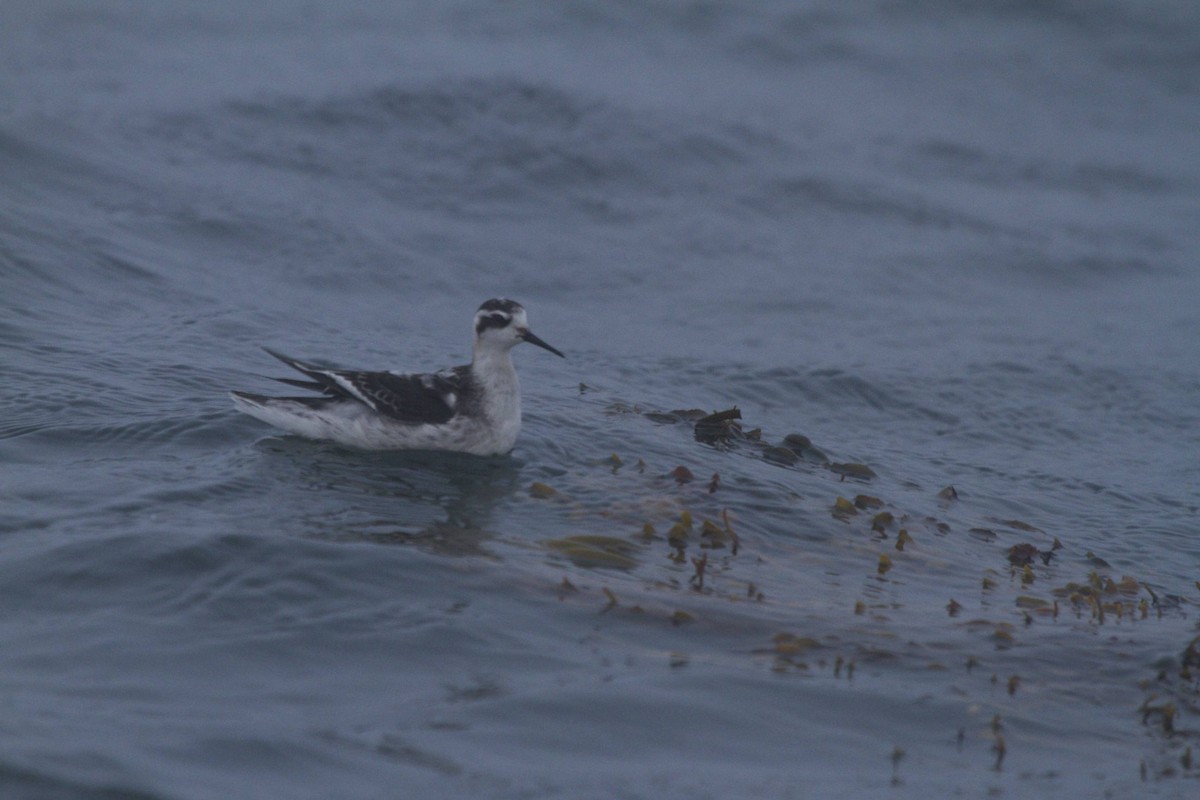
408, 398
313, 385
322, 378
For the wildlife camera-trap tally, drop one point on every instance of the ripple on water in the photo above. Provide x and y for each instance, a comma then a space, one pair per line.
192, 597
61, 784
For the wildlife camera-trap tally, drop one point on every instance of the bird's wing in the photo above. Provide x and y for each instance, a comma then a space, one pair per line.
428, 398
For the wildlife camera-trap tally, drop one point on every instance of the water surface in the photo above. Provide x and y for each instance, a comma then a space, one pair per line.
957, 247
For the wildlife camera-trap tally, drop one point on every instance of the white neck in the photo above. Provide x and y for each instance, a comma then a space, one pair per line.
493, 370
500, 402
490, 357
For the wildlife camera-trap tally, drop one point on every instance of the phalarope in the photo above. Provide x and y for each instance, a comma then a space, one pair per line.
475, 408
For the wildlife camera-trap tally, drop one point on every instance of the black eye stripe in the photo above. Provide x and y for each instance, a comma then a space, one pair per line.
492, 321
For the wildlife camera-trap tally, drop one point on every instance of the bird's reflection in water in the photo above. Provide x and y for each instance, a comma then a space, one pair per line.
441, 502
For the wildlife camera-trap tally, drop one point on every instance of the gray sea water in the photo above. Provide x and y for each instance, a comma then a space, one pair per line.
955, 243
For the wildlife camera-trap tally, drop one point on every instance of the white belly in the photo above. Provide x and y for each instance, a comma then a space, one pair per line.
354, 425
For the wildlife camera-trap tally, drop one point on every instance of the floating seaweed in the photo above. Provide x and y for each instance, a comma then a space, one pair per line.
733, 537
698, 578
857, 471
797, 441
789, 644
620, 409
719, 427
1019, 525
724, 428
712, 535
679, 618
1022, 554
612, 600
1000, 747
936, 525
1165, 712
802, 446
542, 491
1190, 658
682, 475
1003, 636
982, 534
1101, 596
843, 509
867, 502
596, 551
780, 455
678, 535
787, 647
700, 546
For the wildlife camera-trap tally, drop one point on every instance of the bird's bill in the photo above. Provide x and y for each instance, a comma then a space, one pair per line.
528, 336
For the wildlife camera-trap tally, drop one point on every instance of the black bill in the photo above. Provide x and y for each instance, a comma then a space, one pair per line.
528, 336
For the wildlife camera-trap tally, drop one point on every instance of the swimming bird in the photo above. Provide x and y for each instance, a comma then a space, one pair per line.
475, 408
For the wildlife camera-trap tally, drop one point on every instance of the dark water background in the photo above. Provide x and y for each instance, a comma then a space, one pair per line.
958, 246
